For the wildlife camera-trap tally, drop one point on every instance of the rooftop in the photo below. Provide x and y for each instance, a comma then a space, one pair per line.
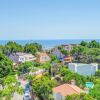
67, 89
42, 54
82, 64
22, 54
69, 44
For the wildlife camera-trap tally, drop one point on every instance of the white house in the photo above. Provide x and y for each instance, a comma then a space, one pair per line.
57, 52
21, 57
60, 92
69, 47
83, 69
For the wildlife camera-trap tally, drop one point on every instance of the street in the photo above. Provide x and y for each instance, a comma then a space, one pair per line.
17, 97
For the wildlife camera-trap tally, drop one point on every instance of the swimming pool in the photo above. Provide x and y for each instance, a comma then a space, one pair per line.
89, 84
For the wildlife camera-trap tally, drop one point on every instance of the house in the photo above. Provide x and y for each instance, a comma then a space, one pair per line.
83, 69
21, 57
60, 92
57, 53
69, 47
43, 57
67, 59
64, 58
37, 72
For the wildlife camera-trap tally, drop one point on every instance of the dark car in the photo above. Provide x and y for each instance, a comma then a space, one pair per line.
27, 96
27, 88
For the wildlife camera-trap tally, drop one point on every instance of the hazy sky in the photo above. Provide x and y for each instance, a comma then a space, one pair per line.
49, 19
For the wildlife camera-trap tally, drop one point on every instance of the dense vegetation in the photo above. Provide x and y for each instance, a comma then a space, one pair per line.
82, 96
68, 76
13, 47
63, 51
55, 72
43, 87
5, 65
87, 52
32, 48
8, 81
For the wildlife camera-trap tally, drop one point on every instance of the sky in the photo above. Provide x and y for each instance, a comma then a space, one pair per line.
49, 19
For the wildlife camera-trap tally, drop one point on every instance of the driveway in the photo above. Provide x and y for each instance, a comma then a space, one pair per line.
17, 97
20, 97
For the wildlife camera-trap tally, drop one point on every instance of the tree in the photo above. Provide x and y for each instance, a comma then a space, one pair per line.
43, 86
54, 58
83, 43
84, 54
12, 47
93, 44
69, 75
95, 92
5, 65
81, 96
10, 86
32, 48
97, 73
73, 97
63, 51
1, 48
25, 67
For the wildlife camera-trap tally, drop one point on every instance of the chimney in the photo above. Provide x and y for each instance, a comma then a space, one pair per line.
73, 82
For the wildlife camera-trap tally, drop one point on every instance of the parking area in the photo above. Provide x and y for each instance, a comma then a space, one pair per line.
27, 94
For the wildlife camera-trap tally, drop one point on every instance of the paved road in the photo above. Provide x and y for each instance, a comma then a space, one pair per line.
17, 97
20, 97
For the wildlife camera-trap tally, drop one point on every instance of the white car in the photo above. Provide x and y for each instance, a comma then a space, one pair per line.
27, 96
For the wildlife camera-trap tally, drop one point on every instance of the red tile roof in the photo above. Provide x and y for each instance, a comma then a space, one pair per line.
67, 89
42, 54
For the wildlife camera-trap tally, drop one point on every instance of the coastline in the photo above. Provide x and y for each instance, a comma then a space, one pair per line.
47, 44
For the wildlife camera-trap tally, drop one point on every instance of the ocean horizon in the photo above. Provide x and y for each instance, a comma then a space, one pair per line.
49, 43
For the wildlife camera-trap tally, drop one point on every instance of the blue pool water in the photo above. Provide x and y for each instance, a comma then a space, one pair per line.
89, 84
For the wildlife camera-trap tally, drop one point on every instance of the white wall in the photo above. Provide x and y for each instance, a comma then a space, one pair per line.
84, 69
58, 96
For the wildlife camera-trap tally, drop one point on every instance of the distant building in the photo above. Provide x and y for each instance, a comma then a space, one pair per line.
69, 47
83, 69
60, 92
57, 53
64, 58
37, 71
21, 57
43, 57
67, 59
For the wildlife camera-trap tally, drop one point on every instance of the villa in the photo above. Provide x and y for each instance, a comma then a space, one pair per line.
37, 72
60, 92
67, 59
57, 53
21, 57
83, 69
43, 57
69, 47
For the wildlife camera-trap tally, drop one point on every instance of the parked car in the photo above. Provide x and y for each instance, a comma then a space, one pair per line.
27, 88
27, 96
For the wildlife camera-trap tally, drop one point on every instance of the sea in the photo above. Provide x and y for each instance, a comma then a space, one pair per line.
49, 43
